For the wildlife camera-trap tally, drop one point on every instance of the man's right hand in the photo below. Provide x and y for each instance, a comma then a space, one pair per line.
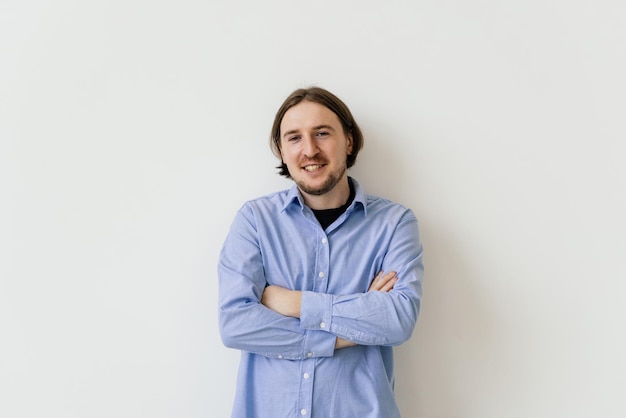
383, 282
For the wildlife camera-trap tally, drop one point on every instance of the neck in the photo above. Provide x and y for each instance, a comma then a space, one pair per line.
331, 199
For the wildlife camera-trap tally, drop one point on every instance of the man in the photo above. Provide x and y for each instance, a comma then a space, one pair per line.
319, 282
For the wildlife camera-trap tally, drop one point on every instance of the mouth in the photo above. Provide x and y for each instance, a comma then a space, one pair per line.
313, 167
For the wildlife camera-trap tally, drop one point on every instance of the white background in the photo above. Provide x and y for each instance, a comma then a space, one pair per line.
131, 131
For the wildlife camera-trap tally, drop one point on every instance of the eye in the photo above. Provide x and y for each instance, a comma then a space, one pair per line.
293, 138
322, 133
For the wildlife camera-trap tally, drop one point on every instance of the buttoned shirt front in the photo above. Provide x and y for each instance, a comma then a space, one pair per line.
289, 366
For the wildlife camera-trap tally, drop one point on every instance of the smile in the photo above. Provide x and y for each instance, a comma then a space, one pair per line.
313, 167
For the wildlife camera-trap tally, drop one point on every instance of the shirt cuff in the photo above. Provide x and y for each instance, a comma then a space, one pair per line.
316, 311
319, 344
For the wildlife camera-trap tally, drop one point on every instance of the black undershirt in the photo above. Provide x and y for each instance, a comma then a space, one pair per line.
327, 216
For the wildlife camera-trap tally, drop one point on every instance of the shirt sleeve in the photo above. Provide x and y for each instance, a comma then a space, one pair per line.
375, 318
246, 324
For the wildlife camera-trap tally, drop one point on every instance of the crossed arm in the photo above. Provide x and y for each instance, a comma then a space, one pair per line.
280, 323
288, 302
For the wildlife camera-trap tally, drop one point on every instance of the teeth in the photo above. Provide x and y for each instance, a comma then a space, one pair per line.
312, 167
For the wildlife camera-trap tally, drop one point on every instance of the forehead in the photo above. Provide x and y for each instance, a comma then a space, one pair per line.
307, 115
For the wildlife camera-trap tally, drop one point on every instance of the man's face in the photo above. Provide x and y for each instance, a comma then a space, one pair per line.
314, 147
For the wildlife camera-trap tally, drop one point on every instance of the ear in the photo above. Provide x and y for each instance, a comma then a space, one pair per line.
350, 143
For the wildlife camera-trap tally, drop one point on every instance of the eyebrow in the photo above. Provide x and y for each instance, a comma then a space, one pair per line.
315, 128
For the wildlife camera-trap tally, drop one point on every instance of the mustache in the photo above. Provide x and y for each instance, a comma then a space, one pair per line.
313, 161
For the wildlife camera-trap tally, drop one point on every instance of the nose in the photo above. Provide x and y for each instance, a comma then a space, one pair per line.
309, 146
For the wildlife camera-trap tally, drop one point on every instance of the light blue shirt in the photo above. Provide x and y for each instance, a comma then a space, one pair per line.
289, 367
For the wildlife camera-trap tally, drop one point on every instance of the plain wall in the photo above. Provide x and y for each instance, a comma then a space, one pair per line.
131, 131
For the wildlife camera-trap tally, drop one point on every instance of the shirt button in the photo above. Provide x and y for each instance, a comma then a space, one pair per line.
322, 274
322, 325
280, 356
309, 354
306, 376
324, 240
303, 412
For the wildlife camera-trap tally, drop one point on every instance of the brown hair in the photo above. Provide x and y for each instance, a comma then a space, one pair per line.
333, 103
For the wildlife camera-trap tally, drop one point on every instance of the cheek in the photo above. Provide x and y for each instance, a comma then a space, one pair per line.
288, 154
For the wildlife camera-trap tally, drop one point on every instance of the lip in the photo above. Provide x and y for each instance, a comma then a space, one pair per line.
315, 170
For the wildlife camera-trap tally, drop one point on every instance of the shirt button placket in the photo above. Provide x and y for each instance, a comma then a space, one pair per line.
306, 387
323, 256
308, 366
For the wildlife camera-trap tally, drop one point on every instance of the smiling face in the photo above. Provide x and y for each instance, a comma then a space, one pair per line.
314, 147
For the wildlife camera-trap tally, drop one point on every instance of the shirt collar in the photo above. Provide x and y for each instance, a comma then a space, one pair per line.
295, 198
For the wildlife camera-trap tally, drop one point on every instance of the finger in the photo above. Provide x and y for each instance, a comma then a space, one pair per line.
389, 285
375, 281
387, 281
381, 280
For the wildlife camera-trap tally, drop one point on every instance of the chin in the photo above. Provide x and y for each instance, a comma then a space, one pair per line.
319, 188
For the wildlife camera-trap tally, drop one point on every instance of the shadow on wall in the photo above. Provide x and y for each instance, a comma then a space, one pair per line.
456, 329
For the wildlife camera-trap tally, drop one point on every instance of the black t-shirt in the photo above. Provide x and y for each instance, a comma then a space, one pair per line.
327, 216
